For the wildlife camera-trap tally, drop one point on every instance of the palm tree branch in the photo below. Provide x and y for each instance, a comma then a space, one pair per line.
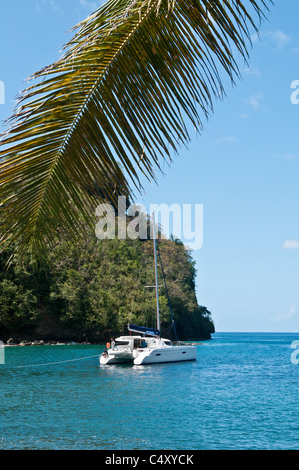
112, 107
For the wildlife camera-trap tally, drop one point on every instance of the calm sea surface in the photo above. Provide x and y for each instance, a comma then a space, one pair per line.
241, 393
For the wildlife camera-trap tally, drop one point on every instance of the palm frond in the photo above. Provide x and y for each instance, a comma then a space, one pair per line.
113, 107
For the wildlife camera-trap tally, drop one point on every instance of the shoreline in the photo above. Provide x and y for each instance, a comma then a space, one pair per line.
22, 343
11, 342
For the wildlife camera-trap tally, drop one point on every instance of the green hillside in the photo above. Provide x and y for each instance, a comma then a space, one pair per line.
89, 291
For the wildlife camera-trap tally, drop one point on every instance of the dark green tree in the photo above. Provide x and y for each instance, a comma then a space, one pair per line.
91, 289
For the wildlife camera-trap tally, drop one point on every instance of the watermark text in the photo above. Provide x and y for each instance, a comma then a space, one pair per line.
295, 93
184, 222
2, 353
295, 354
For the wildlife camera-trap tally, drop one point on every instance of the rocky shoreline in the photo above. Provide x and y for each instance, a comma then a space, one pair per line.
41, 342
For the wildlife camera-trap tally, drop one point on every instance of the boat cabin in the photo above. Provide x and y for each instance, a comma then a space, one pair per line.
136, 342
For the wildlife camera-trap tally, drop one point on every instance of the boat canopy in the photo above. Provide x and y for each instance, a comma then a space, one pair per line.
144, 330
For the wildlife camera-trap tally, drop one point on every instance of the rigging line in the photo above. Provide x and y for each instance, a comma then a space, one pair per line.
176, 336
57, 362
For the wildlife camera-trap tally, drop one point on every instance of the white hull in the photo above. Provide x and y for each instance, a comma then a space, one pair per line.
165, 354
121, 351
143, 350
112, 359
129, 349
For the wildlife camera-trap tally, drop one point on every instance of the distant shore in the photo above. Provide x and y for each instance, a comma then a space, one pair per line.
13, 342
41, 342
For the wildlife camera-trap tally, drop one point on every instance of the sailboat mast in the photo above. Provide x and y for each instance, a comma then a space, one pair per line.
156, 273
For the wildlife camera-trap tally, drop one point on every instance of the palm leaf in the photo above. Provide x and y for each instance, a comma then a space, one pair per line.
113, 107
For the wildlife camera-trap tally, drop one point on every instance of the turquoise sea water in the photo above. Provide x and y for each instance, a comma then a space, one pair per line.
241, 393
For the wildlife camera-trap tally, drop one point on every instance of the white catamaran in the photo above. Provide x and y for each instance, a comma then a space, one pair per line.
147, 347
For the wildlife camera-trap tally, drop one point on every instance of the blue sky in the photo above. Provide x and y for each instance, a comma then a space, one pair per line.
244, 168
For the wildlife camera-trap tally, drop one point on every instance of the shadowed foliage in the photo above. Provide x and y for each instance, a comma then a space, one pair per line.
91, 289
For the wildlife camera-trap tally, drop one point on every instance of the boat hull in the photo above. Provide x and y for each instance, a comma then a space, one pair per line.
166, 354
111, 358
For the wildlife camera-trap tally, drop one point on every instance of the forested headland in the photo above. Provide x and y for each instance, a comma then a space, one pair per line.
90, 289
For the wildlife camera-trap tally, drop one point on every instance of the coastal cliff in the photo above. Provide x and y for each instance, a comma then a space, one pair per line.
90, 289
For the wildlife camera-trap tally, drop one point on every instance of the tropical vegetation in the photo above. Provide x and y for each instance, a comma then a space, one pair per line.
89, 290
97, 124
119, 101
